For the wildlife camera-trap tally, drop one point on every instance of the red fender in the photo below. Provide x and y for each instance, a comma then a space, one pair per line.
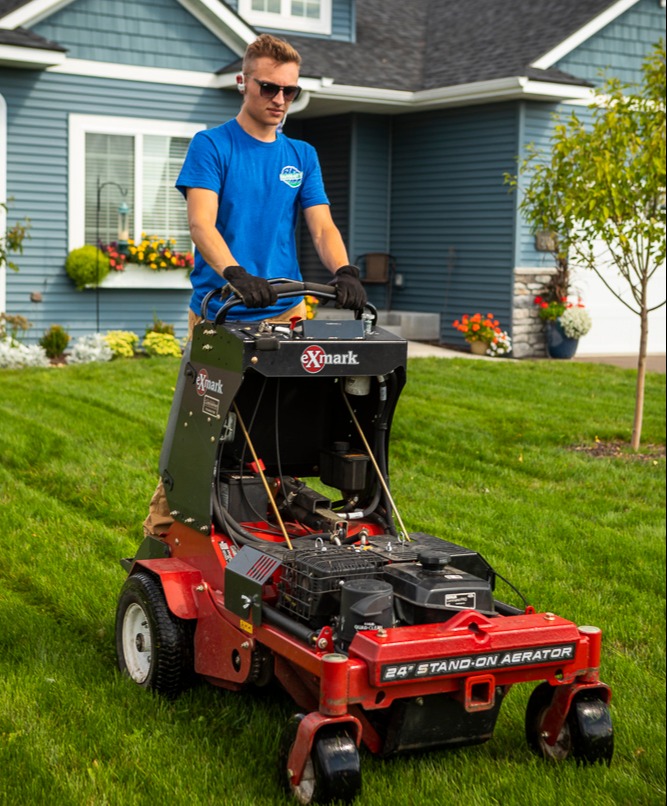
556, 714
179, 581
305, 736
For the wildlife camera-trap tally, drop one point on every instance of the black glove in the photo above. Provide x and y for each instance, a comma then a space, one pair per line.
350, 292
255, 292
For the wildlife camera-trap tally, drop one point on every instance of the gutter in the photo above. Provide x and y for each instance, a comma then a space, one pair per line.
30, 58
505, 89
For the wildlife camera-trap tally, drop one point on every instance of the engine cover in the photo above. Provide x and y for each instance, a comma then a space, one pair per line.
432, 590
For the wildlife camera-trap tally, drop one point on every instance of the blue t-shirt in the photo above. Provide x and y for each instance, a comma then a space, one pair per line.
261, 187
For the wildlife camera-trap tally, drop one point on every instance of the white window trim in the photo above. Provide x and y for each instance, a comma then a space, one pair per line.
79, 126
285, 21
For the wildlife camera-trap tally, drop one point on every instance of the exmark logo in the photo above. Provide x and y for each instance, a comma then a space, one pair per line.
204, 384
315, 358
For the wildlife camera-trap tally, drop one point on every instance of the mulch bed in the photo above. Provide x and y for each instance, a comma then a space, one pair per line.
621, 450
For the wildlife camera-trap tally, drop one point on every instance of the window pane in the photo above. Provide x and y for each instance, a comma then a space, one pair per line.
164, 209
306, 8
109, 168
272, 6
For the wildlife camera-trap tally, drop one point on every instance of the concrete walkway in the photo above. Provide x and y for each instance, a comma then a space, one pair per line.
654, 363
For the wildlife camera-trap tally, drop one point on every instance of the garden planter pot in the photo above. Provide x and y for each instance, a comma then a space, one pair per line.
478, 347
558, 344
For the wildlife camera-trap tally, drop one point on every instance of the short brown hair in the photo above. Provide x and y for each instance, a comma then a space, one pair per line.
272, 47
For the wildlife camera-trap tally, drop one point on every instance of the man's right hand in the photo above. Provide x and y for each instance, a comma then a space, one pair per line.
255, 292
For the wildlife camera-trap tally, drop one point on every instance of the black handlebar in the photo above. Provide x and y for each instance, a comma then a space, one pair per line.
284, 288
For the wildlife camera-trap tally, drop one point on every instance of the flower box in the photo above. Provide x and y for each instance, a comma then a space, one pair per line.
136, 276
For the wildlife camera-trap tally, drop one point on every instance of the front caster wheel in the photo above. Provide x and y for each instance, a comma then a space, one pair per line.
332, 771
153, 646
587, 734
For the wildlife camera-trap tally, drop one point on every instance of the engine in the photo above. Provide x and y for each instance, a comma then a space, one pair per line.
384, 583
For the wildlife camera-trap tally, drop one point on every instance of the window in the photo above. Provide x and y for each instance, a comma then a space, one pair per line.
141, 158
309, 16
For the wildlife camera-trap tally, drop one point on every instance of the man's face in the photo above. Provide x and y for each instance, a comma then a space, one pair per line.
268, 111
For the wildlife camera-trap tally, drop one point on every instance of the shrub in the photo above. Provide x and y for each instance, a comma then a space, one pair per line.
90, 348
14, 355
161, 344
11, 324
122, 342
55, 341
87, 266
159, 326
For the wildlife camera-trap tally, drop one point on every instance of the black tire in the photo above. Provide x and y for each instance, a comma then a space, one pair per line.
154, 648
332, 771
586, 736
591, 729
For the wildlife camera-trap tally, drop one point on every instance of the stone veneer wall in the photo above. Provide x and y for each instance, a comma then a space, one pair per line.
528, 329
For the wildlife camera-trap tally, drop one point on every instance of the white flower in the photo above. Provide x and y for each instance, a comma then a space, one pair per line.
576, 322
501, 346
14, 355
90, 348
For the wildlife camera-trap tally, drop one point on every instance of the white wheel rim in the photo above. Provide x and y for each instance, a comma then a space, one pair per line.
303, 793
137, 643
563, 747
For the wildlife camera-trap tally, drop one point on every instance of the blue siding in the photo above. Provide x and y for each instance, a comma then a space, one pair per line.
620, 47
370, 185
537, 129
452, 225
38, 105
150, 33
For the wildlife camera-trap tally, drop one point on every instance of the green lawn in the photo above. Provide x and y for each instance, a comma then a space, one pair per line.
486, 454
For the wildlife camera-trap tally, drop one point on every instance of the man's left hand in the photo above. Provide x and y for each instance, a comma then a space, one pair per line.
350, 293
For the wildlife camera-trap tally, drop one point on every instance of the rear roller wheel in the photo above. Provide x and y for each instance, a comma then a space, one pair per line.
332, 771
153, 646
587, 734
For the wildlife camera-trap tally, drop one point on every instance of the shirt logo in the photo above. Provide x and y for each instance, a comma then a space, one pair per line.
291, 176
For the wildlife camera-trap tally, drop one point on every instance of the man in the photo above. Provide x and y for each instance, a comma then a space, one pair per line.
245, 184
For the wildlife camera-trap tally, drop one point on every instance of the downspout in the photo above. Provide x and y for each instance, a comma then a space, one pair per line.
3, 196
516, 234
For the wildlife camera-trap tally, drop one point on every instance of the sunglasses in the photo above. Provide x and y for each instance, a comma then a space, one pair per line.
269, 90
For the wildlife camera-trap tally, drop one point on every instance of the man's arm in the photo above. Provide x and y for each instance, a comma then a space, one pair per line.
255, 292
326, 237
329, 244
202, 215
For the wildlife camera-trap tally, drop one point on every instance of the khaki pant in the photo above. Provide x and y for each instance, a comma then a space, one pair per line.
159, 520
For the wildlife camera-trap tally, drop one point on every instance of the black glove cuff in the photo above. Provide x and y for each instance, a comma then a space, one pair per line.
349, 271
231, 273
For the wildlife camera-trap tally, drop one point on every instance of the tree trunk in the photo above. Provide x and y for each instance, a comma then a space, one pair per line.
641, 381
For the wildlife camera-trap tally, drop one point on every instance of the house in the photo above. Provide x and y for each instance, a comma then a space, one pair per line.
417, 110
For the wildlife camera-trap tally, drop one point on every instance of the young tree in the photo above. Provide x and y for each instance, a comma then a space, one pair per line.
604, 181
